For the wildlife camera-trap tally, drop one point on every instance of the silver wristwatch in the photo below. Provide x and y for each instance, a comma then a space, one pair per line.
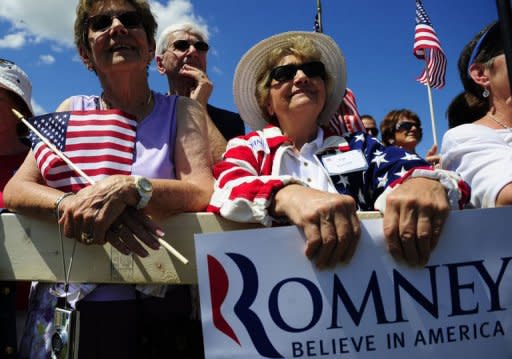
145, 190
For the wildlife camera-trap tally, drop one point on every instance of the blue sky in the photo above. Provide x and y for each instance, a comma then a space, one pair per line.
375, 36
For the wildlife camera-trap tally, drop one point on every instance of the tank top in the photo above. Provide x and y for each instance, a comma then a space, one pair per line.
155, 139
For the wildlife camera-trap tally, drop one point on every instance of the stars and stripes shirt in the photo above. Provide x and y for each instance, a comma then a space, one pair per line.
248, 176
99, 142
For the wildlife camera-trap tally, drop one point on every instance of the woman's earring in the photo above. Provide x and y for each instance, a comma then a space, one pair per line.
485, 93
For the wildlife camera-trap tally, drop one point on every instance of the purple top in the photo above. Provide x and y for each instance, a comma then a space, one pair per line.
154, 158
154, 146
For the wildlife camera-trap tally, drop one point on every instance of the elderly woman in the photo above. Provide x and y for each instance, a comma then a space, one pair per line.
115, 39
402, 128
481, 151
287, 87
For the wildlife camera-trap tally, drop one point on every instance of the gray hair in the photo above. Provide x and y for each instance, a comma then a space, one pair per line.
163, 40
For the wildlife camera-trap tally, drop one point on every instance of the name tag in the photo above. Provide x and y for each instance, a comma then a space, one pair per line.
345, 162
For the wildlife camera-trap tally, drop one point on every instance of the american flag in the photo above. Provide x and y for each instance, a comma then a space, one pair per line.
427, 46
347, 119
100, 143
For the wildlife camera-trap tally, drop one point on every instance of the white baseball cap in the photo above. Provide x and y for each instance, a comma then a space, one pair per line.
14, 79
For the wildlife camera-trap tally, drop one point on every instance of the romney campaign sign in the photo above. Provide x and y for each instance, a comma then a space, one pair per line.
262, 298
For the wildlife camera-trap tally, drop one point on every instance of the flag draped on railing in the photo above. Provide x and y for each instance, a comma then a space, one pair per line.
100, 143
428, 47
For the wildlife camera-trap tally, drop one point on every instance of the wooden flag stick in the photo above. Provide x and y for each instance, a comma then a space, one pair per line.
430, 103
62, 156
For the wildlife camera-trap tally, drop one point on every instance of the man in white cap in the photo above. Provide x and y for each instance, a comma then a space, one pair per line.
181, 56
15, 92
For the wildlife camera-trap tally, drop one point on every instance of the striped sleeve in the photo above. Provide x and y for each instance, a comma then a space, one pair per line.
244, 186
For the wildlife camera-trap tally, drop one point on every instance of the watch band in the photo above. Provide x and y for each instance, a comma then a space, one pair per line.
145, 190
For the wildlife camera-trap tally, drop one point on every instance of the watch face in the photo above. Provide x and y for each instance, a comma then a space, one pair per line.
145, 185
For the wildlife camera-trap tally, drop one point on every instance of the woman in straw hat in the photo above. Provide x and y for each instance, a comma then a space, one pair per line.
291, 170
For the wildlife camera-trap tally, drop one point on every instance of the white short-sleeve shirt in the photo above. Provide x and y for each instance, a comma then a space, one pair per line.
483, 157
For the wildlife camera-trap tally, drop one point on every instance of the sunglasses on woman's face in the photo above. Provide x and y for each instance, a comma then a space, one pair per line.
406, 126
287, 72
184, 45
129, 19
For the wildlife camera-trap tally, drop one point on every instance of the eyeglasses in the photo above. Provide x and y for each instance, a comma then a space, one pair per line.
288, 72
184, 45
129, 19
406, 126
374, 131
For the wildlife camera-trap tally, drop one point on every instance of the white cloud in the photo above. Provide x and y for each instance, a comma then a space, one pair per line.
52, 20
41, 20
13, 41
38, 109
47, 59
217, 70
176, 11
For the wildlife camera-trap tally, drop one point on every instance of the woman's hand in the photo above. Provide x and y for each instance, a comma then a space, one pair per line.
104, 212
329, 222
134, 226
413, 219
433, 157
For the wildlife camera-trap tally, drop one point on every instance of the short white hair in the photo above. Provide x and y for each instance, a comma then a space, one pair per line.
163, 40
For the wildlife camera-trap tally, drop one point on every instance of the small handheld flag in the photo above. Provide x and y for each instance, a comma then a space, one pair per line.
427, 47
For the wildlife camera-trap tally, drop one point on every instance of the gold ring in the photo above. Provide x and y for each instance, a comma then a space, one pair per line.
87, 238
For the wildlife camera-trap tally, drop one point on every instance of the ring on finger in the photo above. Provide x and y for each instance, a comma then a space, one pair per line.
87, 238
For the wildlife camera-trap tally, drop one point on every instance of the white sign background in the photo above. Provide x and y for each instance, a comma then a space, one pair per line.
277, 253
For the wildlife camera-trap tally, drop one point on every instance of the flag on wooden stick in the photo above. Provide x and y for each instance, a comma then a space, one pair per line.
428, 47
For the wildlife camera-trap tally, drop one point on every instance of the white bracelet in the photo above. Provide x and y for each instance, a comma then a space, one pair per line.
57, 202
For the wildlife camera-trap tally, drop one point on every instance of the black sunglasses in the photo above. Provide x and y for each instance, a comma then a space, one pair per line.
184, 45
288, 72
129, 19
406, 126
374, 131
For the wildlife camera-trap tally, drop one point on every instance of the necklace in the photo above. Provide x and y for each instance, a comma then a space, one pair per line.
495, 119
107, 106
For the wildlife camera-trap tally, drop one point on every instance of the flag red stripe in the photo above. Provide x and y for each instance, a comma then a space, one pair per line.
100, 133
98, 146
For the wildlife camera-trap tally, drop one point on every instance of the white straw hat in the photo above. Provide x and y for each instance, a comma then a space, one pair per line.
14, 79
244, 85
